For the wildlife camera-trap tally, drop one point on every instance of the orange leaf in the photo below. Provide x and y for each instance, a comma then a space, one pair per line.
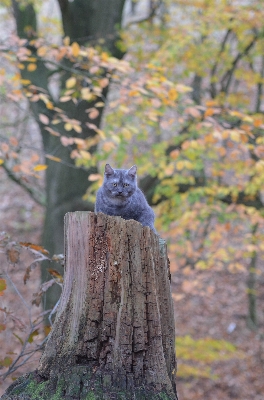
209, 112
31, 67
104, 82
34, 247
13, 141
13, 255
47, 330
52, 132
94, 177
55, 274
93, 113
53, 158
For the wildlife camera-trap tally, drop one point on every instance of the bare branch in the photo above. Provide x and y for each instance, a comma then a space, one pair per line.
226, 79
37, 197
214, 69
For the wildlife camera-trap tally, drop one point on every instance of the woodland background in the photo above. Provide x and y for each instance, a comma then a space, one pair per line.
177, 88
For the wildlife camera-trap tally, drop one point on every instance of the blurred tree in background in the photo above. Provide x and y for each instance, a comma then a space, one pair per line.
186, 105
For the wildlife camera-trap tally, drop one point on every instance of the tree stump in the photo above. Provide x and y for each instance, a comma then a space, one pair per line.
114, 335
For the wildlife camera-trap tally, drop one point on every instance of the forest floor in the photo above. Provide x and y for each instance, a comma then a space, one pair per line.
210, 307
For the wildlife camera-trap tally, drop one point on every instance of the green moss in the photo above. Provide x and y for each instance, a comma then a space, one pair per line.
91, 396
31, 390
203, 353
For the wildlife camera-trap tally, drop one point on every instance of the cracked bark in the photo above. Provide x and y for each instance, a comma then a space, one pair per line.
114, 335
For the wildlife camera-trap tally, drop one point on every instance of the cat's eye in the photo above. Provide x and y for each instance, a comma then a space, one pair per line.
114, 184
126, 184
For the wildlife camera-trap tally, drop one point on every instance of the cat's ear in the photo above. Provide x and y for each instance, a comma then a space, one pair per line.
109, 170
132, 171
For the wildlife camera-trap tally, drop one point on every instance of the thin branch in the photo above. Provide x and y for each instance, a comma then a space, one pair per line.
36, 197
214, 69
260, 88
151, 14
226, 79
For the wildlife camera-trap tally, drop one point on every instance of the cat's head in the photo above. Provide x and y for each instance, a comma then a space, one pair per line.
120, 183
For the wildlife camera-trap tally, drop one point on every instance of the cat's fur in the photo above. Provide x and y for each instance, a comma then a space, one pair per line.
120, 196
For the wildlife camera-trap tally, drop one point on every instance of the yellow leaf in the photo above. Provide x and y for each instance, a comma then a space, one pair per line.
133, 93
116, 139
71, 82
53, 158
1, 161
31, 67
183, 89
127, 133
49, 105
86, 94
40, 167
25, 82
235, 136
68, 126
104, 56
63, 99
101, 133
75, 49
248, 119
173, 94
66, 41
259, 166
180, 165
99, 104
42, 50
77, 128
85, 154
188, 164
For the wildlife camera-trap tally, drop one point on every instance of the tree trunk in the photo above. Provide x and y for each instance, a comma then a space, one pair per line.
114, 336
86, 22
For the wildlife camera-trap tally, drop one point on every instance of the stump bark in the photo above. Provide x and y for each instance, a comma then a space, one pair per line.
114, 335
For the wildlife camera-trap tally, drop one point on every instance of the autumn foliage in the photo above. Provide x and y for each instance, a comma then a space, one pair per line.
185, 104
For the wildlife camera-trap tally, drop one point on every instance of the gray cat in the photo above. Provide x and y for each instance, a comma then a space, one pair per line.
120, 195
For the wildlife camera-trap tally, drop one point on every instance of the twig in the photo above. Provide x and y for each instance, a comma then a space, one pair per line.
37, 198
226, 79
